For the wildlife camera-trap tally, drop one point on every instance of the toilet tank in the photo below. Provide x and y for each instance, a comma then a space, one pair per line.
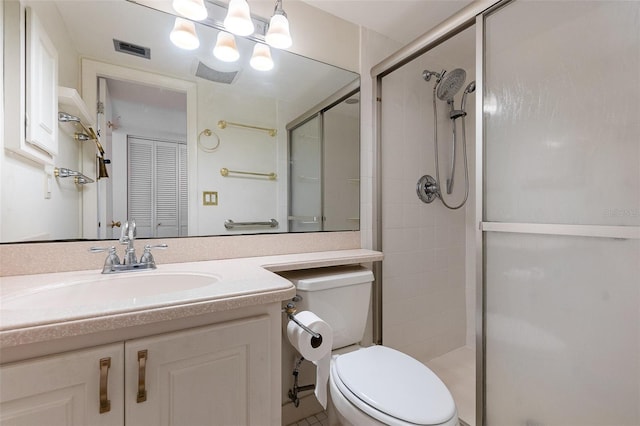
340, 296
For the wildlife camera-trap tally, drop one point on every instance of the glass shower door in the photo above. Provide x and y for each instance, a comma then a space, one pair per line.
562, 213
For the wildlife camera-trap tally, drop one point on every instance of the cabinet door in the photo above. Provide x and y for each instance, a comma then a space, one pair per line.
42, 87
63, 389
214, 375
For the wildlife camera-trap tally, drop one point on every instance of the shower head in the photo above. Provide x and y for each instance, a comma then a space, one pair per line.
451, 84
471, 87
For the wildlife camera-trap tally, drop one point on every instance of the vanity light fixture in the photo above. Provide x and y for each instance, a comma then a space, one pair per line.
184, 35
261, 58
238, 19
226, 49
192, 9
278, 35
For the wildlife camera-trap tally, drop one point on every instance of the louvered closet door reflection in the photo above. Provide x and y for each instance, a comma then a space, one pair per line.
157, 189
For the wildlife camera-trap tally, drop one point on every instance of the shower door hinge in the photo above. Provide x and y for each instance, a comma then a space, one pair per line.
100, 107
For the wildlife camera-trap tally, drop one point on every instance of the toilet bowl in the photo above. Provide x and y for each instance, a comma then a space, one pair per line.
375, 385
381, 386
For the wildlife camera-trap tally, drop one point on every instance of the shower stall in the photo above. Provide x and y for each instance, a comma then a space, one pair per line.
533, 282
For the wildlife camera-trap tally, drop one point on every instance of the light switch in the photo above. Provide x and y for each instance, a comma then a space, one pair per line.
209, 198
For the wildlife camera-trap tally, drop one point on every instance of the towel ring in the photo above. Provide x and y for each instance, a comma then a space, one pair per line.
208, 132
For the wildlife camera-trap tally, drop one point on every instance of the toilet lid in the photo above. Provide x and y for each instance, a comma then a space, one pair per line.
395, 384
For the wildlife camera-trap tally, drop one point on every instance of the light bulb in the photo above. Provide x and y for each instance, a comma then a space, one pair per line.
226, 49
238, 20
261, 58
184, 35
278, 35
192, 9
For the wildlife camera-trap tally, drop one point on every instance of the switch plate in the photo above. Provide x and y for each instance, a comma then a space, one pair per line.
209, 198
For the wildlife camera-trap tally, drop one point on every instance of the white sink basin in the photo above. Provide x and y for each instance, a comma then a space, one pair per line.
125, 288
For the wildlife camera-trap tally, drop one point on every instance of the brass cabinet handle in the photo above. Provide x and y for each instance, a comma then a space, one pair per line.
142, 367
105, 403
115, 224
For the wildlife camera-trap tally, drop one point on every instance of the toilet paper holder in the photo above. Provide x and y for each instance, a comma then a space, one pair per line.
290, 310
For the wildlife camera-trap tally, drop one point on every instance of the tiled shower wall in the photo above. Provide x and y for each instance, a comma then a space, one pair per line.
428, 302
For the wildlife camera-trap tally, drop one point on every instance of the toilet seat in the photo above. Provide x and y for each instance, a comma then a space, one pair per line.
392, 387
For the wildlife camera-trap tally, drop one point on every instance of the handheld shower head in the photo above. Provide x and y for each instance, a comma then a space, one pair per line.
471, 87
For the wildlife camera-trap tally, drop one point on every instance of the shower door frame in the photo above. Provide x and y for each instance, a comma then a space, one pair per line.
472, 14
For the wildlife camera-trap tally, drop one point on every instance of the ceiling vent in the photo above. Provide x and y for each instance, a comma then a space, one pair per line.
132, 49
216, 76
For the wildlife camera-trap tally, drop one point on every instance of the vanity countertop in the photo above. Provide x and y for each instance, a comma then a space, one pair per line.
209, 286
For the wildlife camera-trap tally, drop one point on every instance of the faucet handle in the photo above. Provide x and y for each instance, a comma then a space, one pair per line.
111, 249
112, 258
147, 257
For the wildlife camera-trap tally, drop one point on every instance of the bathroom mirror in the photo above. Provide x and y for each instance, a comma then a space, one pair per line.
225, 124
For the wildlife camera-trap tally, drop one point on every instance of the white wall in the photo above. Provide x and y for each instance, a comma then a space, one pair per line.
26, 213
374, 48
240, 198
424, 274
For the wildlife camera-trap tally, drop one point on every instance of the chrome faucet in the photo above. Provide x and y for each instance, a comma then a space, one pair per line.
130, 263
127, 235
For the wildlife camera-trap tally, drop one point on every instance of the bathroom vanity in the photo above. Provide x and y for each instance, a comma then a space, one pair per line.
186, 377
188, 343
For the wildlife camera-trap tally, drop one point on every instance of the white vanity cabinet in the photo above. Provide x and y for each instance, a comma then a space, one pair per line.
214, 375
64, 389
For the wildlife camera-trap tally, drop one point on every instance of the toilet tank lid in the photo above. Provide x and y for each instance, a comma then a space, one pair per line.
327, 278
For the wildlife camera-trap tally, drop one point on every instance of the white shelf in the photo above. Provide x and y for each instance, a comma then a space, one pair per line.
69, 101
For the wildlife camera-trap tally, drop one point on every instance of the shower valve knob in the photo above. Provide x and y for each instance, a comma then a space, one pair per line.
427, 189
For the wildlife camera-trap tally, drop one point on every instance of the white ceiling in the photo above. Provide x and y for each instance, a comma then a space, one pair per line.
399, 20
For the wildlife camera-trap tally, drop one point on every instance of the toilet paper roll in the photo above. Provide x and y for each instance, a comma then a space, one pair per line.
319, 355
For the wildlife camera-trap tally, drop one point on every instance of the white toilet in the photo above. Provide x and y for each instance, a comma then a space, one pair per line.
375, 385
